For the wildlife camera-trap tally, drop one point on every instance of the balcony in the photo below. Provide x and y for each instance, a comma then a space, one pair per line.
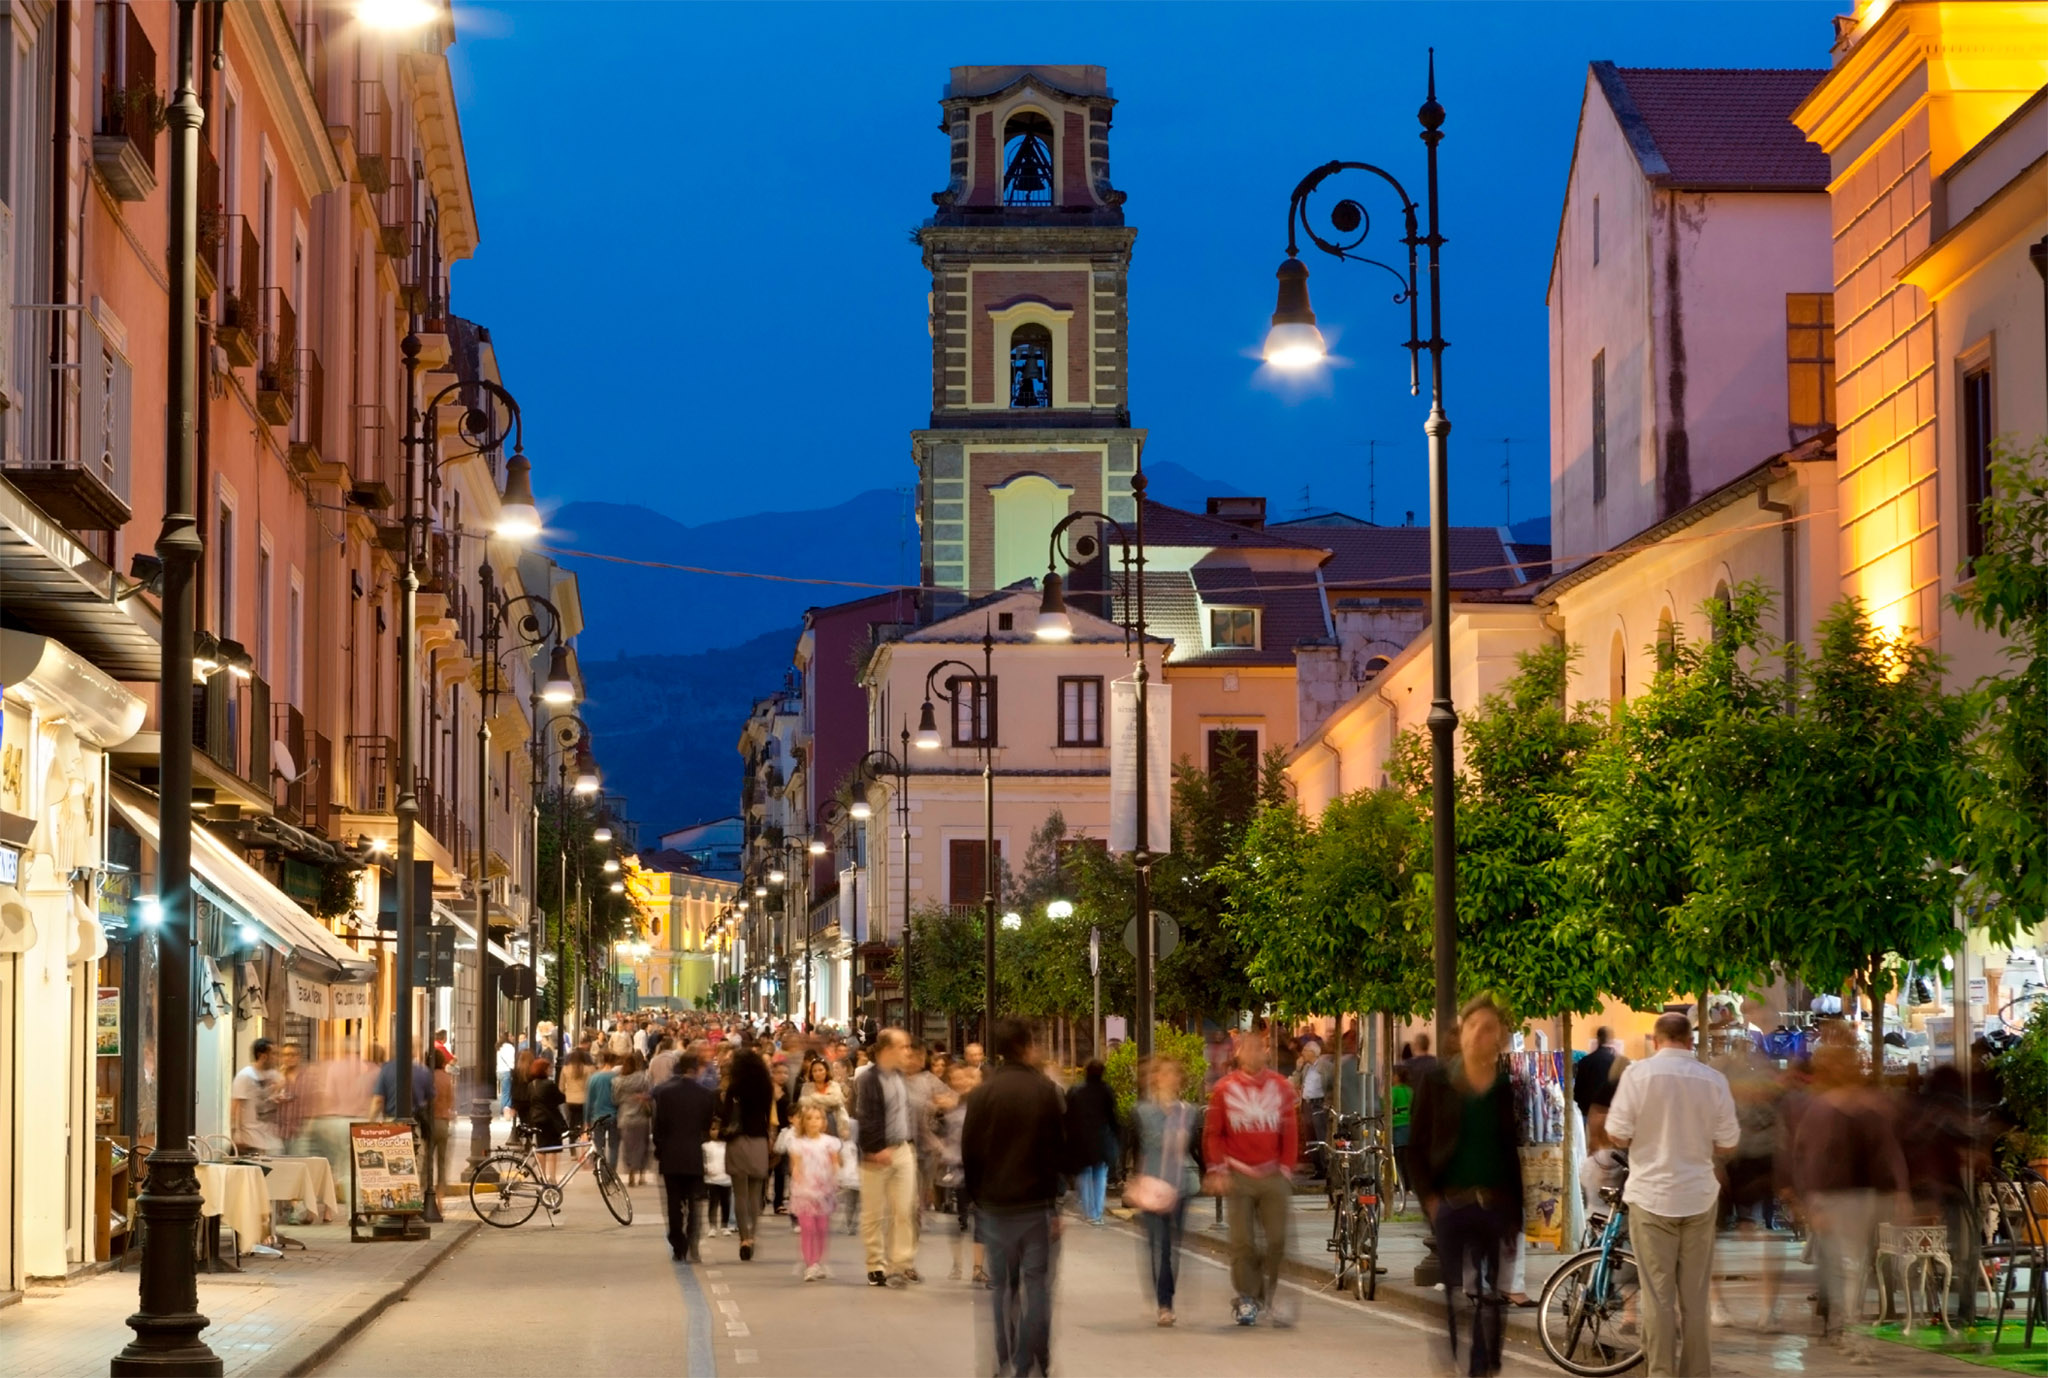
85, 486
240, 331
277, 376
231, 723
317, 783
131, 105
373, 468
370, 760
309, 413
373, 137
288, 731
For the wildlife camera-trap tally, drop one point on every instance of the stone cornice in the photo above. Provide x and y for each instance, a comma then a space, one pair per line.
432, 89
266, 34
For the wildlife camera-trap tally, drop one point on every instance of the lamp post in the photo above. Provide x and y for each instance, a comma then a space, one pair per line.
529, 633
167, 1321
1054, 624
792, 859
571, 736
981, 717
1295, 343
879, 761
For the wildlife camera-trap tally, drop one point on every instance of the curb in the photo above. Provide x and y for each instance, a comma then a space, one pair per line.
305, 1356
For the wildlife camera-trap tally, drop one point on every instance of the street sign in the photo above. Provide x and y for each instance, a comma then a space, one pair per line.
433, 959
1165, 935
1094, 952
516, 982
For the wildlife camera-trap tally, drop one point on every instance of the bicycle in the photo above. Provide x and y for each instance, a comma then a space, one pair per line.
1590, 1321
1354, 1190
506, 1188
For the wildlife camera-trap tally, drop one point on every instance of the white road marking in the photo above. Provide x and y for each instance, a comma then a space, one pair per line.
746, 1356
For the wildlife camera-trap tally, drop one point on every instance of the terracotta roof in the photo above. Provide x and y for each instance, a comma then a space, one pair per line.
1170, 526
1707, 128
1397, 557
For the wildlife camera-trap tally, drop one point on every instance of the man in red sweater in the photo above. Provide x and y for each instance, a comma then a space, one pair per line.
1249, 1148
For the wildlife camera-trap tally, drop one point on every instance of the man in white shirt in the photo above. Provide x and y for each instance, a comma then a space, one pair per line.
1675, 1116
255, 1101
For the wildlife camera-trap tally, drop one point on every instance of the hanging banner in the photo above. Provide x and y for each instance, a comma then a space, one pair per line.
1123, 766
306, 997
348, 1002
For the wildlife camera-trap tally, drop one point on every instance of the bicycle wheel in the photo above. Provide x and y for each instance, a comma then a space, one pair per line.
1365, 1248
503, 1191
1590, 1319
614, 1192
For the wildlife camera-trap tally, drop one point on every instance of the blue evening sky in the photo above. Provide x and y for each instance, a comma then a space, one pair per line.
695, 218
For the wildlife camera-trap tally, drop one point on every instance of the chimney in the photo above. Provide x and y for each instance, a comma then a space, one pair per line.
1246, 512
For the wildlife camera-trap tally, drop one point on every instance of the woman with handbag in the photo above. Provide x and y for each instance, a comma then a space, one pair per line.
1165, 1176
748, 1117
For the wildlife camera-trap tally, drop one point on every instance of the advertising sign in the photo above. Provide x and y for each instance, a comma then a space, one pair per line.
106, 1026
1123, 766
385, 1162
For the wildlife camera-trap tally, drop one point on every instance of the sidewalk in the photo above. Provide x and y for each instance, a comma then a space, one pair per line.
276, 1318
1740, 1345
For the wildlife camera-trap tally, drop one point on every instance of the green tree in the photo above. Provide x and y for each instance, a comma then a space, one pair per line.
2006, 792
945, 963
1829, 832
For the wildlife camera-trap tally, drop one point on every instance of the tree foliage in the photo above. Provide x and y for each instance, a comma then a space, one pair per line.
2006, 791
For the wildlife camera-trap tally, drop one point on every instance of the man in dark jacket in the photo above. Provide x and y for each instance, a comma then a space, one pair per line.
1013, 1149
887, 1141
682, 1122
1464, 1146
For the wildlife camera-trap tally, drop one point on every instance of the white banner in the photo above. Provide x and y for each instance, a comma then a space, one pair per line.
849, 904
306, 997
348, 1002
1123, 766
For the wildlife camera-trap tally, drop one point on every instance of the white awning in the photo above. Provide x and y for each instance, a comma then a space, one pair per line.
304, 940
448, 914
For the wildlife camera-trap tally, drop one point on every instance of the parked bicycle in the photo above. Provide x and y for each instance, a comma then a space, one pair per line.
1355, 1172
1590, 1319
506, 1188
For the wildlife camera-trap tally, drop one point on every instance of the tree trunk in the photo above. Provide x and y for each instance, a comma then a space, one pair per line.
1876, 1023
1573, 1206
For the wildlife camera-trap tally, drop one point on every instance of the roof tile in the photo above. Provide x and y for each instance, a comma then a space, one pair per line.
1718, 127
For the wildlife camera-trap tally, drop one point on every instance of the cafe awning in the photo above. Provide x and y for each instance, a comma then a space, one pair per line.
308, 944
467, 927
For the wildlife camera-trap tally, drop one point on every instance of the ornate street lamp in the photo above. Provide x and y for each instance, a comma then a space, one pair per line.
1055, 624
1295, 343
979, 687
877, 762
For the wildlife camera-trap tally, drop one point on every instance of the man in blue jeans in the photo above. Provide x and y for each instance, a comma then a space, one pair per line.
601, 1111
1013, 1150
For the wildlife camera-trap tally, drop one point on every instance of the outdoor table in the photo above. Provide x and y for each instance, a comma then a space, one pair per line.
236, 1195
310, 1180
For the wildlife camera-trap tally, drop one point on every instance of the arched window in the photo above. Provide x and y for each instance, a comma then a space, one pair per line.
1027, 160
1617, 674
1031, 366
1667, 641
1725, 602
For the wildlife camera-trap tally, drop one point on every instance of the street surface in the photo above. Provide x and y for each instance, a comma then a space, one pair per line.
591, 1297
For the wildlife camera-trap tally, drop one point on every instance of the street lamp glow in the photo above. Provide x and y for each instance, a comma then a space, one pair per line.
927, 728
777, 877
603, 834
817, 846
395, 16
1060, 909
760, 892
618, 887
559, 689
1294, 343
611, 866
1013, 920
1053, 622
861, 811
152, 910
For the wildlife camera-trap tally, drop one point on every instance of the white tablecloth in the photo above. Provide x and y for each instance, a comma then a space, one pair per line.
310, 1180
235, 1192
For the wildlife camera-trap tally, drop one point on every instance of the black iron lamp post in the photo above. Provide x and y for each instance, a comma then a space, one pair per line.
167, 1321
792, 859
1295, 343
537, 621
877, 762
1054, 624
575, 773
975, 691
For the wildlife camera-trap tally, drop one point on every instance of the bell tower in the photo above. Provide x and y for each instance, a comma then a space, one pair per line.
1029, 320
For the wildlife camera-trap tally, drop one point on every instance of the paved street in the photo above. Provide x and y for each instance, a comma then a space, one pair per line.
614, 1303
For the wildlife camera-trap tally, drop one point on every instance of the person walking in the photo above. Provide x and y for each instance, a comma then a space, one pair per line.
255, 1093
508, 1057
821, 1090
544, 1116
888, 1172
1092, 1136
747, 1115
679, 1121
1013, 1145
575, 1084
1165, 1128
631, 1089
439, 1148
813, 1187
1595, 1078
1674, 1114
602, 1107
1249, 1146
1464, 1145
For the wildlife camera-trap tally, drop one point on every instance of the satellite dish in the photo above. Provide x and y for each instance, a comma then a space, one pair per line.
282, 764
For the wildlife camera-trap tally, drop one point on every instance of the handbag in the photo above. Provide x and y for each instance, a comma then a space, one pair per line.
1153, 1195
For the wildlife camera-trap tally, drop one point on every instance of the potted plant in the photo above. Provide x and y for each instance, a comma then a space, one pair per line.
2022, 1073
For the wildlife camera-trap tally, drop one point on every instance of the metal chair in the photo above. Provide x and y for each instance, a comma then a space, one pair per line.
2016, 1207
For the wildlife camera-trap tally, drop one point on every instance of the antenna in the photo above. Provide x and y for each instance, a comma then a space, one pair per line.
1372, 468
1307, 507
1507, 496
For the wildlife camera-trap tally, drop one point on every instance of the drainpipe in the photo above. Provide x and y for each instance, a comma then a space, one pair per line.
60, 226
1790, 534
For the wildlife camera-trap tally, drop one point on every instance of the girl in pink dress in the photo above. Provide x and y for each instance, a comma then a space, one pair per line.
813, 1186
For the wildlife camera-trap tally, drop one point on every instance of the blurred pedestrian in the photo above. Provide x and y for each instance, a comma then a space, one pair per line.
1464, 1145
747, 1117
1849, 1172
1249, 1146
1013, 1146
1674, 1115
679, 1122
602, 1108
1166, 1131
631, 1089
575, 1084
1092, 1137
888, 1150
814, 1187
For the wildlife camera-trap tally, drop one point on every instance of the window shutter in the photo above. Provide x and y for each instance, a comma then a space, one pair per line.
122, 441
92, 399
